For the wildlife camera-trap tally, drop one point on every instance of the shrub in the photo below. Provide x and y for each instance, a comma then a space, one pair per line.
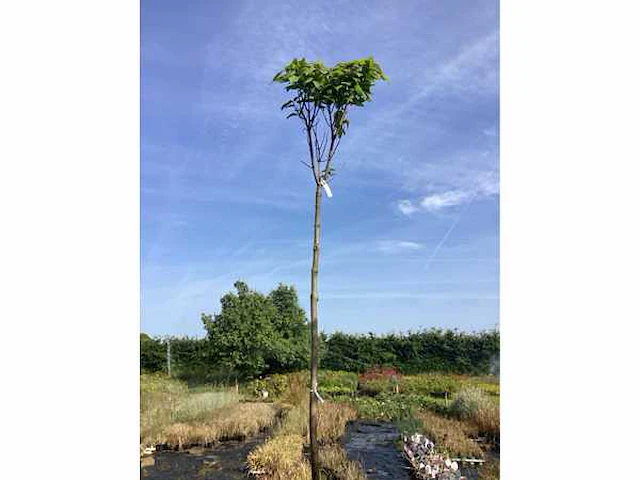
374, 387
276, 385
379, 372
379, 379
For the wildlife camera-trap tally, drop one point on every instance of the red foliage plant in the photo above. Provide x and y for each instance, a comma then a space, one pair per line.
380, 373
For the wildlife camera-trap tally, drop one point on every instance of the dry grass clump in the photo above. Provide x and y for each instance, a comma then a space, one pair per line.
488, 421
335, 464
474, 405
231, 422
451, 436
280, 458
332, 420
296, 421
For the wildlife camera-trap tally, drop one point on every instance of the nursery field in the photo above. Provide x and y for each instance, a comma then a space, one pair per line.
377, 424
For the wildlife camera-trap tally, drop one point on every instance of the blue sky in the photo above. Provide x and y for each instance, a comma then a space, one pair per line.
410, 238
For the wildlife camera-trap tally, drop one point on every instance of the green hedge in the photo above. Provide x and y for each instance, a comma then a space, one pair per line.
443, 351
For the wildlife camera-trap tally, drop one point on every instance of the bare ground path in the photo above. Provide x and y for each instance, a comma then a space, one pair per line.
373, 444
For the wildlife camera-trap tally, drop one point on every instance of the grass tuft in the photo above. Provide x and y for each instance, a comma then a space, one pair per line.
280, 458
450, 436
476, 406
335, 464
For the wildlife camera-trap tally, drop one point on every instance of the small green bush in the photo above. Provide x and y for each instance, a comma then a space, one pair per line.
334, 383
433, 384
276, 385
375, 386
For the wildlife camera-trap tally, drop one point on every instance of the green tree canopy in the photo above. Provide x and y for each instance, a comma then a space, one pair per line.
255, 333
322, 97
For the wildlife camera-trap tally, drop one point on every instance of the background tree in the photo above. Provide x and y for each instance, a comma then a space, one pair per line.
322, 98
256, 334
292, 351
242, 335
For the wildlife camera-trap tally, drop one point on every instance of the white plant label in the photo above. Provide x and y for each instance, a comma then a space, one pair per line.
326, 187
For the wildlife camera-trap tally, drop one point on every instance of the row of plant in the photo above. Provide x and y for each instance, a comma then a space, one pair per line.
441, 385
383, 393
473, 406
330, 384
283, 455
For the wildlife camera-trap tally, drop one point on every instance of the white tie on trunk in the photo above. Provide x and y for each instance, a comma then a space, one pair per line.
326, 187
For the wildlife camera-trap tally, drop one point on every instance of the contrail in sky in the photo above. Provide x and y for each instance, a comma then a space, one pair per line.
448, 232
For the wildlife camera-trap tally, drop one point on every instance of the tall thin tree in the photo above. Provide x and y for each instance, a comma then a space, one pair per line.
321, 99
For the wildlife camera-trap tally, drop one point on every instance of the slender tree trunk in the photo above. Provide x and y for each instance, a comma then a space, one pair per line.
315, 343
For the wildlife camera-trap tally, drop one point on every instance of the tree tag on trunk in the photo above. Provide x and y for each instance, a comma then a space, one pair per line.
326, 187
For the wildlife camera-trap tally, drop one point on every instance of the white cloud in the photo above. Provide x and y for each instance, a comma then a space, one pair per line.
485, 184
488, 184
398, 246
406, 207
436, 202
